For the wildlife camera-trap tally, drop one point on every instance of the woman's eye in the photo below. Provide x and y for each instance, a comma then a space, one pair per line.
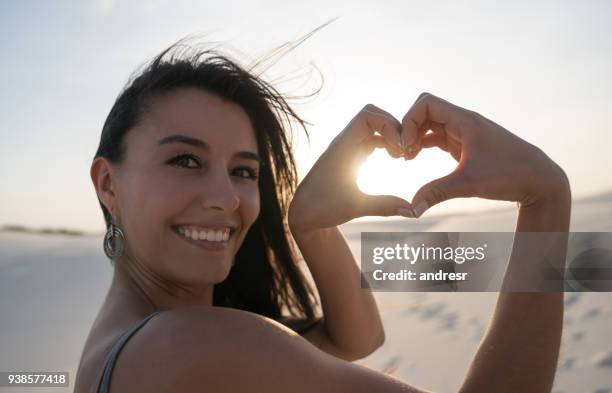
183, 160
190, 161
247, 173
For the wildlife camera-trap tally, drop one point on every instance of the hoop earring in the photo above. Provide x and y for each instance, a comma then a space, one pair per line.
113, 241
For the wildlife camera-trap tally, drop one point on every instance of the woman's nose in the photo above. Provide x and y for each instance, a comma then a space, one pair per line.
218, 192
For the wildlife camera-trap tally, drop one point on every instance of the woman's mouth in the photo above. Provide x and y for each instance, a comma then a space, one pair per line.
212, 239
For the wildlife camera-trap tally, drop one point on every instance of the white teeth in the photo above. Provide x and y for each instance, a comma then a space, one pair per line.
205, 234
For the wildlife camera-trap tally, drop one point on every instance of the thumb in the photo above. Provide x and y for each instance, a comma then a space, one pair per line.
454, 185
383, 205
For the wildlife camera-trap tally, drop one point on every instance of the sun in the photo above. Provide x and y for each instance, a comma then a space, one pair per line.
381, 174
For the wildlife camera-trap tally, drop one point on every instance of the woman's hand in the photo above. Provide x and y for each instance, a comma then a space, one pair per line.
328, 196
493, 162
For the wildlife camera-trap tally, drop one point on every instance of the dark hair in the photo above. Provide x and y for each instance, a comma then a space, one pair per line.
266, 278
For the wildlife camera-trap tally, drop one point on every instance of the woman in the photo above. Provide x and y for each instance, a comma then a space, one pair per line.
196, 181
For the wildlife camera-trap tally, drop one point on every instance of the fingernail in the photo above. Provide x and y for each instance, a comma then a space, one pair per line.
402, 211
407, 153
420, 208
410, 141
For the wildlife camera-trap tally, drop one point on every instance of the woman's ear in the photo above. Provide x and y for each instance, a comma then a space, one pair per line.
103, 178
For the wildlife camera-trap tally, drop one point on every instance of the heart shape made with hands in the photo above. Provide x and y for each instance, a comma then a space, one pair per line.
381, 174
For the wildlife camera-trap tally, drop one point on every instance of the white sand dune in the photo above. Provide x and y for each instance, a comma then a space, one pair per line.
51, 288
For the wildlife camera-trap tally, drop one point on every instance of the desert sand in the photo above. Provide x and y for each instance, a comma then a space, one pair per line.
51, 287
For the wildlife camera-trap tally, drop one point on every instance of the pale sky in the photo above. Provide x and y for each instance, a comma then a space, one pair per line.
541, 70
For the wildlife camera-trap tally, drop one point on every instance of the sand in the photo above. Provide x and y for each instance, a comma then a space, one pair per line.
52, 286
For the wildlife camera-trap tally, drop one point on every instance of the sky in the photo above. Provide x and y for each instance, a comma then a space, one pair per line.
539, 69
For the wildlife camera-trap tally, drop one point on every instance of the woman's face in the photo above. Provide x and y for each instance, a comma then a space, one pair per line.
190, 171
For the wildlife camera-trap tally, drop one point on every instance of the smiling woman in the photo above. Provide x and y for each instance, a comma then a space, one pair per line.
206, 224
194, 174
180, 155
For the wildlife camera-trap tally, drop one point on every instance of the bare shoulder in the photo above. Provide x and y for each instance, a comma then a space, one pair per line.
226, 350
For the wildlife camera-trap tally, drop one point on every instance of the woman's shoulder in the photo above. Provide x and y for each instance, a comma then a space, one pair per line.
103, 336
198, 346
207, 332
210, 347
222, 349
211, 318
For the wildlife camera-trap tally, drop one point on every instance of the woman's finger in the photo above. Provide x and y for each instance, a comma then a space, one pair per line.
434, 140
427, 108
453, 185
433, 126
372, 142
384, 206
377, 141
372, 119
449, 144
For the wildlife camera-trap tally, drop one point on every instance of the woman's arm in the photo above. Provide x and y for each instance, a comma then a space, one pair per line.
327, 197
351, 328
520, 349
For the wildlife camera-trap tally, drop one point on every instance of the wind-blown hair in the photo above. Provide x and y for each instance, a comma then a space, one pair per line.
265, 278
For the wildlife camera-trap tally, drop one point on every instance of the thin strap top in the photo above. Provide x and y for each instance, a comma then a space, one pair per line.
112, 359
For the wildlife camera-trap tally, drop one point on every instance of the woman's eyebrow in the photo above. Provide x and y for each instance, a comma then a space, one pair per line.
179, 138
